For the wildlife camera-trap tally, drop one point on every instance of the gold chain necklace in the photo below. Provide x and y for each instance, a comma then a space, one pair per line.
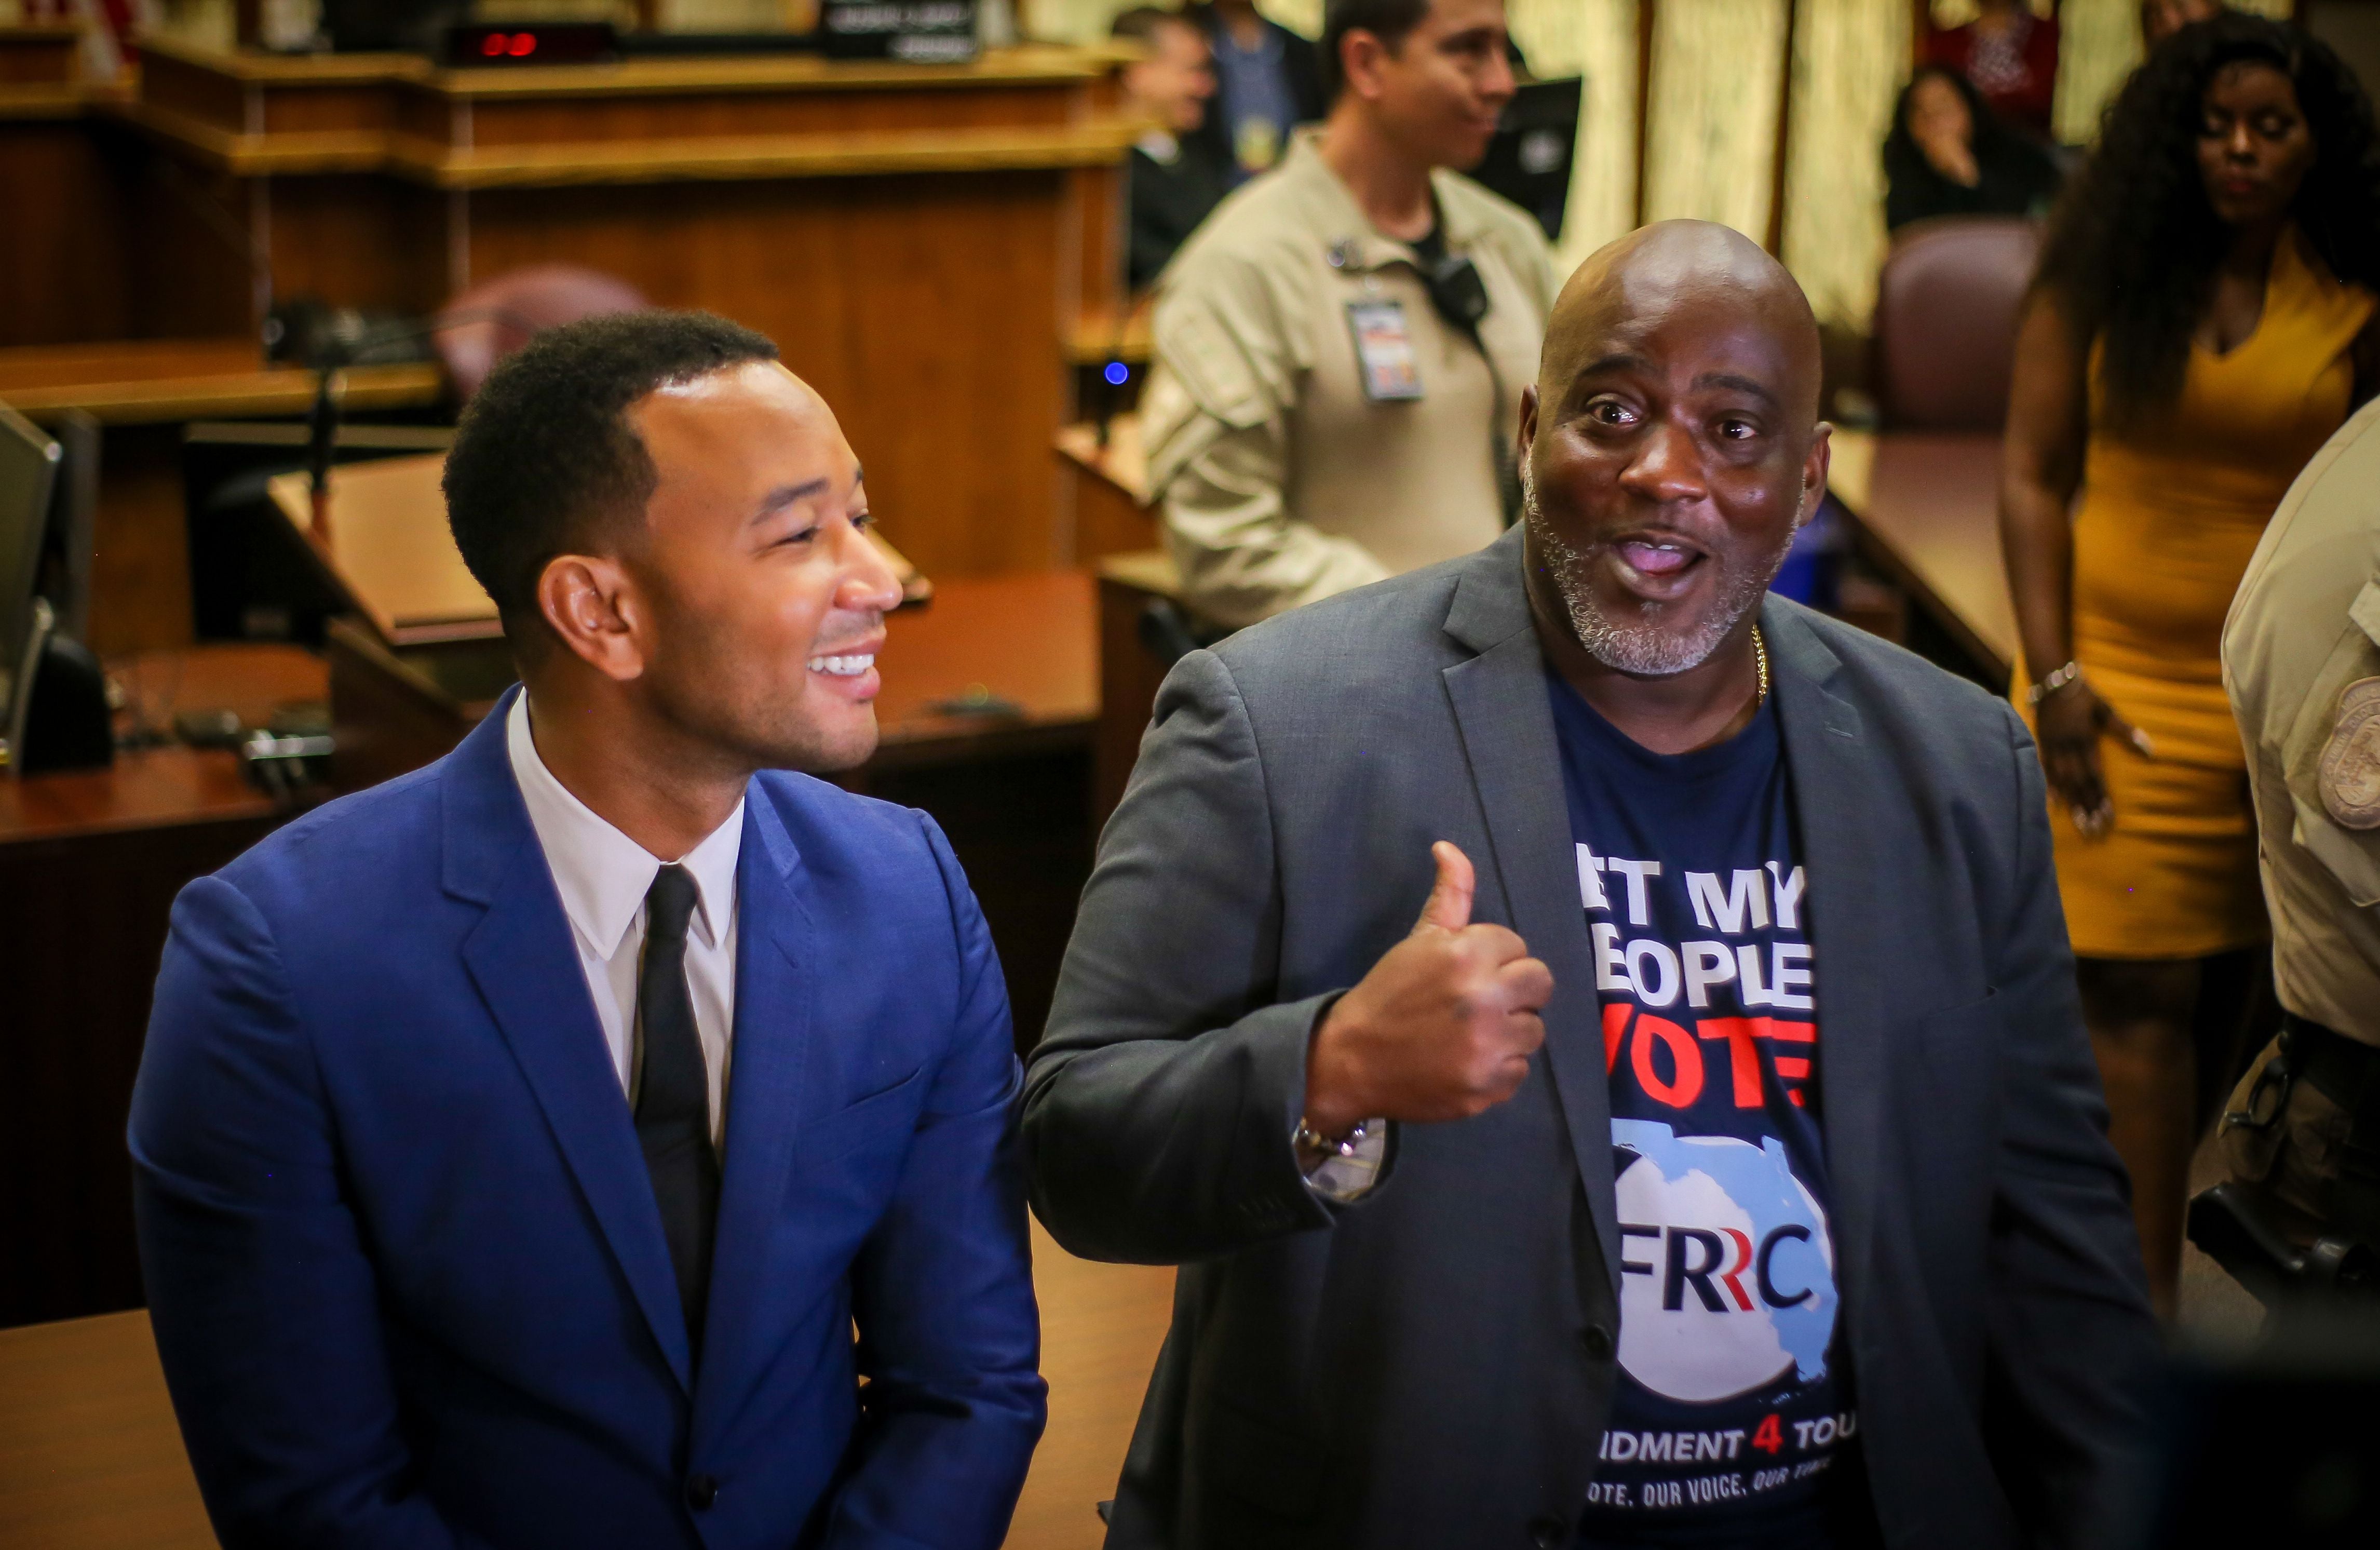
1760, 656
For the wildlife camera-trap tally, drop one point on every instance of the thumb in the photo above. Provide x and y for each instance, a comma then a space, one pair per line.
1450, 897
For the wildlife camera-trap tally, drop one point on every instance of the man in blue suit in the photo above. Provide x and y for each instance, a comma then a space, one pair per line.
519, 1144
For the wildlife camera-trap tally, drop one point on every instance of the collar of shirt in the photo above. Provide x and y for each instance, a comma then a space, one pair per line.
1352, 243
602, 874
1159, 146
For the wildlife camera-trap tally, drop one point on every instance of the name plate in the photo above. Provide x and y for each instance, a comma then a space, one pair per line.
923, 32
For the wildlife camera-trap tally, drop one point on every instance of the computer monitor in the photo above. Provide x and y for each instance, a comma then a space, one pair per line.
71, 548
1529, 160
28, 466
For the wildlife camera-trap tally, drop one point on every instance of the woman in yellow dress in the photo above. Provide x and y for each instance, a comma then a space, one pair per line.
2201, 322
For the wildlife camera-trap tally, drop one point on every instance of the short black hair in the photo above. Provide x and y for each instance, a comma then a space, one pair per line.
1142, 23
544, 461
1389, 20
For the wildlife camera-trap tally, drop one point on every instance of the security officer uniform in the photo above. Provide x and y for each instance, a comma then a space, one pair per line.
1313, 422
2302, 660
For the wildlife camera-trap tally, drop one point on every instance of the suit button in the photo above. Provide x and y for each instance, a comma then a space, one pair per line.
1598, 1341
1545, 1532
701, 1490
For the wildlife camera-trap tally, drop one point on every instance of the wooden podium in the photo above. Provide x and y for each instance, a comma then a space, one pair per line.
921, 241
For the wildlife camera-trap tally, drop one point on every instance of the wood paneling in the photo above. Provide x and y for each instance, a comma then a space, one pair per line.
355, 239
42, 54
917, 240
62, 264
924, 308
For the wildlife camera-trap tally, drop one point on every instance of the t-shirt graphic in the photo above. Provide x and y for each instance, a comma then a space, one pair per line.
1731, 1405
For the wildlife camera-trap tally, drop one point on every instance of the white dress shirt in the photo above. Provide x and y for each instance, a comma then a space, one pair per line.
604, 876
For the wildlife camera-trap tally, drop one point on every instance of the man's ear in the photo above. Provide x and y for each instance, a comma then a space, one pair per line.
1528, 432
1360, 54
1813, 473
591, 608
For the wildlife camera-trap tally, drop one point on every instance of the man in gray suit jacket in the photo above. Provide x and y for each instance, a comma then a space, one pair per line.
1719, 1159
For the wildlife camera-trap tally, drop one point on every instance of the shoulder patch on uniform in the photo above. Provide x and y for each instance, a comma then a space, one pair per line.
2351, 762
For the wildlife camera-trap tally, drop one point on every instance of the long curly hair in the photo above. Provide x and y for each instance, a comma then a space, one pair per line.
2133, 245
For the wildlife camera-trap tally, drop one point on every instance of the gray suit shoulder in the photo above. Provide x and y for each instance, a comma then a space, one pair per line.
1343, 643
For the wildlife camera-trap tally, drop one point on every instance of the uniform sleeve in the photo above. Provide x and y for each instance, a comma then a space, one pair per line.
1215, 420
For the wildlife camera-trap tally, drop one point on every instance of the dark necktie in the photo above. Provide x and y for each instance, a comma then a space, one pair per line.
674, 1097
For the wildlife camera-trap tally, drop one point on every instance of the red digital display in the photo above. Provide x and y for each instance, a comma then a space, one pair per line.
553, 44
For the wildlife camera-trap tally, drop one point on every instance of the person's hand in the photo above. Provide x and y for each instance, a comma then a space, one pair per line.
1952, 157
2068, 724
1443, 1026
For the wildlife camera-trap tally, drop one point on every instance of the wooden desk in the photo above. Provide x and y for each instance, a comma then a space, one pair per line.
1106, 489
1927, 510
1129, 673
920, 241
91, 1457
1117, 333
1027, 639
148, 382
142, 392
89, 864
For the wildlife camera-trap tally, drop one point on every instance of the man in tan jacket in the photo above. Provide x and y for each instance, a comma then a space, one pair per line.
1342, 348
2302, 659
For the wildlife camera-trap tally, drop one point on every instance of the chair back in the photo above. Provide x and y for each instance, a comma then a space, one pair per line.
492, 319
1946, 318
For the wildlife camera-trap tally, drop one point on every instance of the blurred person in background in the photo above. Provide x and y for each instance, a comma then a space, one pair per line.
1171, 177
1340, 350
1270, 81
1949, 154
2161, 20
2009, 55
2200, 323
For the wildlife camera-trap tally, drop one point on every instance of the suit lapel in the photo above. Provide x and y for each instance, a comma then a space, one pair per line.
1836, 779
776, 983
1507, 725
521, 957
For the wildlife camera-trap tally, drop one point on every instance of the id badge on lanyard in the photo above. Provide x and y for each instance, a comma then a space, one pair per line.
1384, 351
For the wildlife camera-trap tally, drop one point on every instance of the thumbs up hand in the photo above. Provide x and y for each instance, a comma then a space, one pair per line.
1443, 1026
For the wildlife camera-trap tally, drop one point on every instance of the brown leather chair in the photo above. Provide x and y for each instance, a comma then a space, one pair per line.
1946, 315
496, 317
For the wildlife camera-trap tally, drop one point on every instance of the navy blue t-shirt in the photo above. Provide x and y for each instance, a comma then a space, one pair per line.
1732, 1405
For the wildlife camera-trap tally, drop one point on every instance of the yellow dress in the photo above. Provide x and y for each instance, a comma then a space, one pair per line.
2168, 520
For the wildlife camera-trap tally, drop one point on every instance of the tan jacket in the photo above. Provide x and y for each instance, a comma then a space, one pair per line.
1279, 480
2304, 629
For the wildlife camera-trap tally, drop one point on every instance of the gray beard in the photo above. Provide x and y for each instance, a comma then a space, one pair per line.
1639, 646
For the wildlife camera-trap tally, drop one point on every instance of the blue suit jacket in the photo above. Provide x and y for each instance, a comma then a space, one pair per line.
406, 1270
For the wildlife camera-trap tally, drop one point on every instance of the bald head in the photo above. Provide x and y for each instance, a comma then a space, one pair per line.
1670, 445
1678, 271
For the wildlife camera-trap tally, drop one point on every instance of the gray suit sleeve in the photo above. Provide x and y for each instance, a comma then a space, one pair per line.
1160, 1106
2071, 1338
